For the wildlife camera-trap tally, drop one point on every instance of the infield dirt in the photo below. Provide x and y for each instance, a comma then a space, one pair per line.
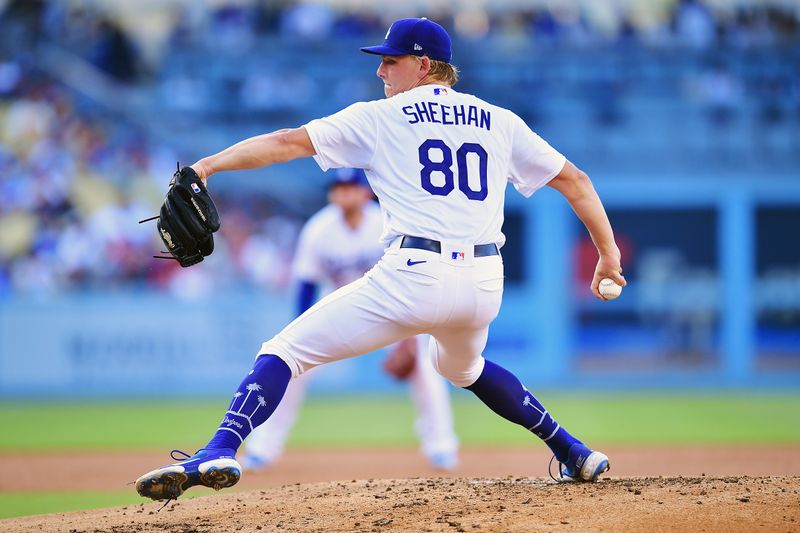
707, 500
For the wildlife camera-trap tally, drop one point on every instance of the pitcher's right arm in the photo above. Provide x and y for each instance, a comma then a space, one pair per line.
577, 188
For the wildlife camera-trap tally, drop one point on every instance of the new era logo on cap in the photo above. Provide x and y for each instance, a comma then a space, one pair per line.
416, 37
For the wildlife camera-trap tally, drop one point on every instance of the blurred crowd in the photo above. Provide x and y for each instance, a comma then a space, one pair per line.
74, 186
74, 179
693, 23
128, 40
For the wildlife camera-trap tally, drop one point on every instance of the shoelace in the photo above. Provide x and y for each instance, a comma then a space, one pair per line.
185, 455
165, 504
172, 454
560, 470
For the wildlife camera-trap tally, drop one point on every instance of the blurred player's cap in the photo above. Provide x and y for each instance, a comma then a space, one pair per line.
348, 176
419, 37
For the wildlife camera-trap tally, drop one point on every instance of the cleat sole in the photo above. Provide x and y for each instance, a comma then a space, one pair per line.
162, 486
171, 481
220, 478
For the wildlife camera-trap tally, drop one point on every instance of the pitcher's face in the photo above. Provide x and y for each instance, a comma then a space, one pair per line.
400, 73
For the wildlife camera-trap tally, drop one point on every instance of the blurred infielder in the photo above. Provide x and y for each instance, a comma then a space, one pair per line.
439, 162
336, 246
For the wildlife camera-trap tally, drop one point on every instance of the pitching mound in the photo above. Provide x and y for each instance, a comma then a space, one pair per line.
461, 504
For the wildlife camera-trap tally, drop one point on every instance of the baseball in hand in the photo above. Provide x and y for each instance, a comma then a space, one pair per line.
609, 288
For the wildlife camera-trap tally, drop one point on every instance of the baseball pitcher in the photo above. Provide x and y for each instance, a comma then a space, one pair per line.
439, 162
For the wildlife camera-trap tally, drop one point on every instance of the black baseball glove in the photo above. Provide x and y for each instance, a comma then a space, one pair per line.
188, 218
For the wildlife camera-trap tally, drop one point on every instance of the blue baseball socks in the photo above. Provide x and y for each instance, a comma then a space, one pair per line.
505, 395
255, 400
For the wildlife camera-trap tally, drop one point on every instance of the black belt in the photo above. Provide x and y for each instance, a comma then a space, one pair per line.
421, 243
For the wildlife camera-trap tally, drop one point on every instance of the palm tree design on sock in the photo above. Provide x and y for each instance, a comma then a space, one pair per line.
528, 402
235, 396
261, 403
250, 388
232, 421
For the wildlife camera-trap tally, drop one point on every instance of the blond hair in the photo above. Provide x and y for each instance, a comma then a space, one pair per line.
441, 71
444, 72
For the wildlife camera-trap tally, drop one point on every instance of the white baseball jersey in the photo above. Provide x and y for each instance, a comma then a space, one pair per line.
438, 160
330, 251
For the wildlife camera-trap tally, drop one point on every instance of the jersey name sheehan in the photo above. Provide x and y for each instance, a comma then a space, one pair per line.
456, 115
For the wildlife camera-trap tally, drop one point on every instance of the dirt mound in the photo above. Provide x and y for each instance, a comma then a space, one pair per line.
96, 470
461, 504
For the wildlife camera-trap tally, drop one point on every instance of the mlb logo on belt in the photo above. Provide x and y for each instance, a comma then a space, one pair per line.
458, 256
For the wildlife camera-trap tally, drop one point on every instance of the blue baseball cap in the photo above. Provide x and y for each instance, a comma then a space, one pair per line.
418, 37
348, 176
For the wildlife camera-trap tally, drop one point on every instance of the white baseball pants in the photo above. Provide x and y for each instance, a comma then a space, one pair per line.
433, 424
452, 295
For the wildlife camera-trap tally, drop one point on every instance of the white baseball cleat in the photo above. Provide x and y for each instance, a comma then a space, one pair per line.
216, 469
582, 464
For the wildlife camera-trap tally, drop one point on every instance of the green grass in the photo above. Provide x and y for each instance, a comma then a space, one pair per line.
28, 503
366, 421
14, 504
630, 418
597, 418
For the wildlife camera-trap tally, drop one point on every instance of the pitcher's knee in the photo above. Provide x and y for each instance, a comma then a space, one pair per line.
285, 353
467, 376
460, 371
